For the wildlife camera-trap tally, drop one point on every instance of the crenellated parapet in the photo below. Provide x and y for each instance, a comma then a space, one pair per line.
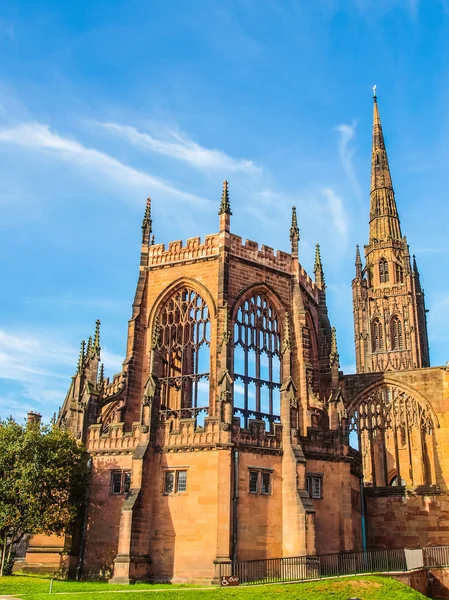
265, 256
114, 388
256, 436
114, 439
187, 434
176, 252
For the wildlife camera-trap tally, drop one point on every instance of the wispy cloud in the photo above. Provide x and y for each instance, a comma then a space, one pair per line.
337, 211
40, 368
35, 136
346, 151
179, 146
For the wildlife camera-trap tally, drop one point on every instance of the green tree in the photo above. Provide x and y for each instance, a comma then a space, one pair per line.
43, 474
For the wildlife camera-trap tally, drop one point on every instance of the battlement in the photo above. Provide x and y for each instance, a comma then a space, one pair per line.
265, 256
114, 438
307, 282
188, 435
115, 387
176, 252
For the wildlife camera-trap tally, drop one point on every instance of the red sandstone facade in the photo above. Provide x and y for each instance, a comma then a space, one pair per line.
226, 434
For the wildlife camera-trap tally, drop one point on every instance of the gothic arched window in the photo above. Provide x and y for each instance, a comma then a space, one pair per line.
396, 333
399, 273
257, 364
184, 339
377, 335
383, 271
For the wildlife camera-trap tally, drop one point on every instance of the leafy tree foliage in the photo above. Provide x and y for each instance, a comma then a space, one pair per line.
43, 474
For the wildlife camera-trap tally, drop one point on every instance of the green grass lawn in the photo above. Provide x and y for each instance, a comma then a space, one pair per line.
365, 588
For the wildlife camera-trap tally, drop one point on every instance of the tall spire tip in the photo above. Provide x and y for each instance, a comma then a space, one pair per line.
225, 204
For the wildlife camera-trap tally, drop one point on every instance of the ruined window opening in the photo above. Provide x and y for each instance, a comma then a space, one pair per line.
184, 329
257, 362
394, 432
383, 271
377, 336
396, 333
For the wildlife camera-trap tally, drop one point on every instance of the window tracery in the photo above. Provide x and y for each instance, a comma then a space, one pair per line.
399, 273
377, 335
257, 361
392, 430
397, 338
184, 340
383, 271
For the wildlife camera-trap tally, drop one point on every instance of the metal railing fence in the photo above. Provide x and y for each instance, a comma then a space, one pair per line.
303, 568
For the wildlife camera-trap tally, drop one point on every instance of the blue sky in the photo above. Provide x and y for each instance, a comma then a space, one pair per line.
104, 103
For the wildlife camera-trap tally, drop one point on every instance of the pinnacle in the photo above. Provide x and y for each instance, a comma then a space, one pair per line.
147, 223
96, 343
318, 264
225, 205
294, 229
334, 356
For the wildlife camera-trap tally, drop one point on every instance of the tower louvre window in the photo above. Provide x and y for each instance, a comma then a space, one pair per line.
383, 271
396, 333
377, 335
399, 273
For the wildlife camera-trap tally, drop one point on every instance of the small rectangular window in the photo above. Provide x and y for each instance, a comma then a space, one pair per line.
116, 482
126, 482
181, 485
253, 479
266, 483
169, 484
315, 486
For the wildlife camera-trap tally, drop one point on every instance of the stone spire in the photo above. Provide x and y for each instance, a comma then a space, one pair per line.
358, 263
96, 343
334, 357
225, 209
384, 220
294, 233
416, 274
81, 358
225, 205
147, 224
318, 269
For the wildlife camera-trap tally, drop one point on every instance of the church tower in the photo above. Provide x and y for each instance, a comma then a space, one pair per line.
388, 301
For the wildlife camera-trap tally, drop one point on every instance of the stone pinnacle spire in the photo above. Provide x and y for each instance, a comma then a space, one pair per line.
358, 262
225, 205
318, 269
384, 220
147, 224
294, 233
81, 357
334, 357
96, 343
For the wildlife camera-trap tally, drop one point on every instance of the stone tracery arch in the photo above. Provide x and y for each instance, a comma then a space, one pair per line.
394, 428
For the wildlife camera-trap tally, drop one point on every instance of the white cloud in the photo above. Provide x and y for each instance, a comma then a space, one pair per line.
41, 367
179, 146
38, 137
337, 211
346, 151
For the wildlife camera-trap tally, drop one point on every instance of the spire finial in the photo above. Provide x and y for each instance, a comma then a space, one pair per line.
334, 357
318, 268
96, 345
225, 205
358, 262
374, 92
81, 357
147, 223
89, 347
294, 229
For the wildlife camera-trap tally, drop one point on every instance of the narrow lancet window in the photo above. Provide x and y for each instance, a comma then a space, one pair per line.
377, 335
396, 333
383, 271
399, 273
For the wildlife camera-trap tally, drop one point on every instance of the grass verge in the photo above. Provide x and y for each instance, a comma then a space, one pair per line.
365, 588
